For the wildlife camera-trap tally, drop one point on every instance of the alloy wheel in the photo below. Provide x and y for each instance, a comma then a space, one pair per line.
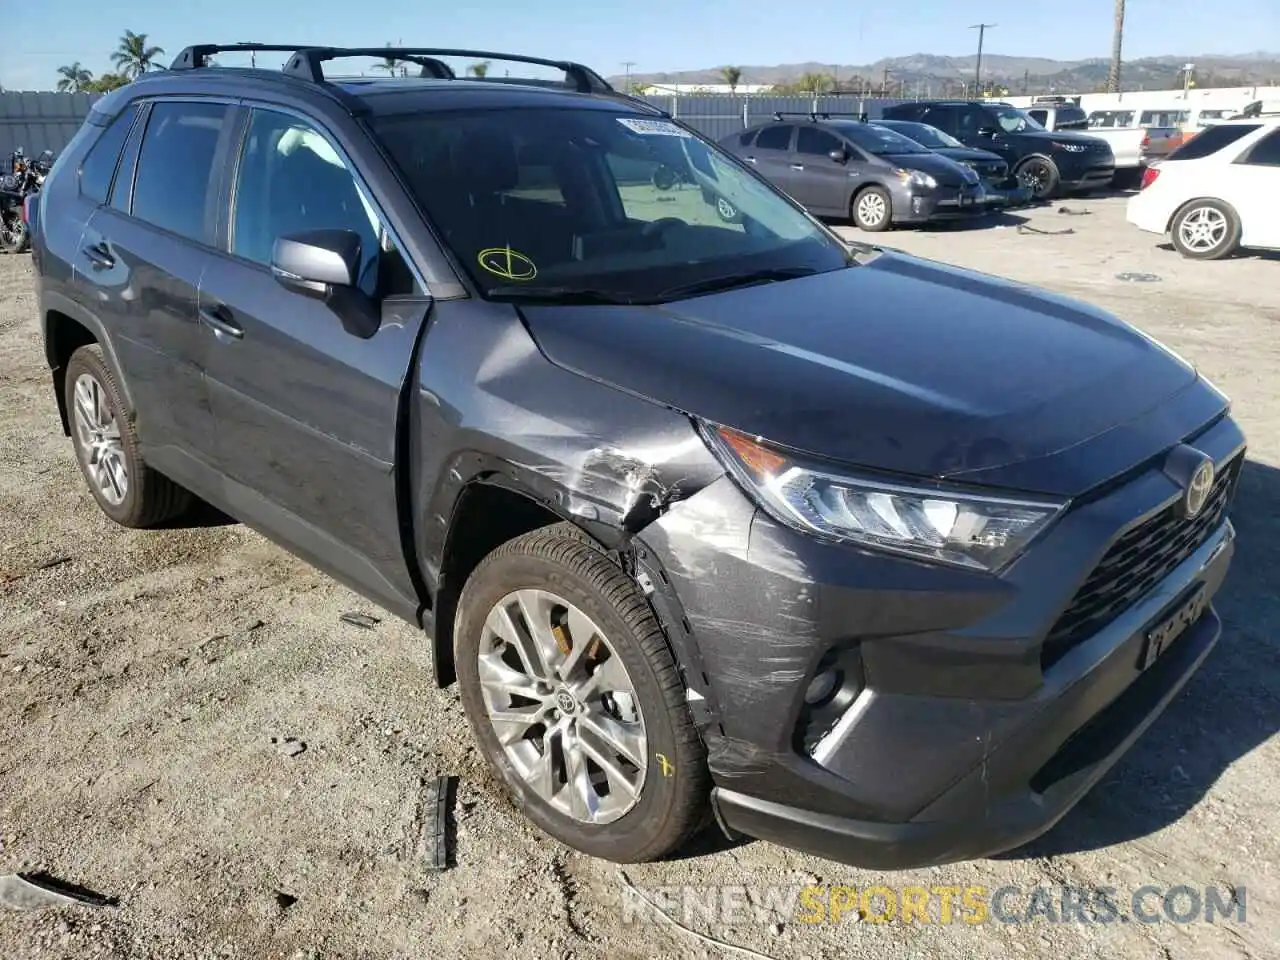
99, 439
871, 209
563, 706
1034, 175
1203, 229
726, 209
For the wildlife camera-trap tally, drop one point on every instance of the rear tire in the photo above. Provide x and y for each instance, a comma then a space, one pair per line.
106, 444
1205, 230
619, 676
14, 237
872, 209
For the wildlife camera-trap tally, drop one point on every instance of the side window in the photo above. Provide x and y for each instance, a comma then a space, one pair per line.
175, 166
291, 180
774, 138
944, 118
122, 186
1266, 152
1039, 116
1211, 140
744, 139
815, 142
99, 164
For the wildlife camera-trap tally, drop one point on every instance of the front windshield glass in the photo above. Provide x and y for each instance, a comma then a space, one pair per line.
574, 203
878, 140
1013, 120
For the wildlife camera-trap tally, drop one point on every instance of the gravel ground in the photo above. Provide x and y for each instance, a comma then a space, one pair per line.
151, 682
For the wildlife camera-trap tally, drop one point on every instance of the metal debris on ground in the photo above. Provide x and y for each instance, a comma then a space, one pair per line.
361, 620
36, 891
1023, 228
285, 900
1138, 277
704, 937
8, 576
433, 816
1075, 213
289, 746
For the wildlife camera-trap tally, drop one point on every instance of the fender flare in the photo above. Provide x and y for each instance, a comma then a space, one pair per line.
53, 302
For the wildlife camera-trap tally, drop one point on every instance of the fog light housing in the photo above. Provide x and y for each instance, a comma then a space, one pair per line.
822, 688
835, 683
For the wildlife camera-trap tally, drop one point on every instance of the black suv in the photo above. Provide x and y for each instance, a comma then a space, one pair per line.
1048, 163
875, 557
847, 168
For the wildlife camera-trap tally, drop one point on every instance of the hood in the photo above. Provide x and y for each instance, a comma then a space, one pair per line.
1067, 136
943, 169
901, 365
968, 155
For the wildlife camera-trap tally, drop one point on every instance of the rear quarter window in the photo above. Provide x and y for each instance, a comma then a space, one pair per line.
1211, 140
100, 162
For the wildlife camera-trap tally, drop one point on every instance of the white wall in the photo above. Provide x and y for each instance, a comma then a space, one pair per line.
1230, 98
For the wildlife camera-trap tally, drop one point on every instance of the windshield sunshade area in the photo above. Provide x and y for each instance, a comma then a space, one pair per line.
879, 141
599, 205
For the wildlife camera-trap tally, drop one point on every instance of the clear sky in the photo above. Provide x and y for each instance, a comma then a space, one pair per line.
659, 35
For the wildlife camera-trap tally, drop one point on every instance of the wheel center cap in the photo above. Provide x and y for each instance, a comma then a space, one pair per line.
566, 702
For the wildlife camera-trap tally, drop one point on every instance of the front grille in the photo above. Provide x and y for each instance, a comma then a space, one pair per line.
1134, 565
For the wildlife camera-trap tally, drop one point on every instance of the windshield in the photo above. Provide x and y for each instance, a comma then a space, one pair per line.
922, 133
586, 203
879, 141
1013, 120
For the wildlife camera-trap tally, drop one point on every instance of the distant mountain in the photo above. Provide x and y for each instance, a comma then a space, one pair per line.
1016, 74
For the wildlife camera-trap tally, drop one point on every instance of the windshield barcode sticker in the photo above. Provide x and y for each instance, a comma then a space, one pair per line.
654, 128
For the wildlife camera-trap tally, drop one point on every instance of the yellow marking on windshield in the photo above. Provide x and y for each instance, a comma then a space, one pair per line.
507, 263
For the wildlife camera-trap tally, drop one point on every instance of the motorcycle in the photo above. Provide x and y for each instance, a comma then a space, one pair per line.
25, 178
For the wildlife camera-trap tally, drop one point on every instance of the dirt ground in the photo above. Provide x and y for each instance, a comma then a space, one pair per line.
148, 683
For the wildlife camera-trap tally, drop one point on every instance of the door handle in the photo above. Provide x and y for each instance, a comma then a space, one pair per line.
749, 159
797, 166
218, 319
99, 255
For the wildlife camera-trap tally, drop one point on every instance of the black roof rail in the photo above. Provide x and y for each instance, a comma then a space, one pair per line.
308, 62
816, 115
197, 56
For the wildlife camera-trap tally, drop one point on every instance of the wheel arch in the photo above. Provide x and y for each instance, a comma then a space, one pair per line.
1178, 210
67, 326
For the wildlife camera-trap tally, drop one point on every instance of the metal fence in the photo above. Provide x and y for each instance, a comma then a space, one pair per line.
719, 115
40, 121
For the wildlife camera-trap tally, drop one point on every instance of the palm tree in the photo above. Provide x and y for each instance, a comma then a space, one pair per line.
133, 57
73, 78
388, 64
479, 69
1113, 75
106, 83
732, 76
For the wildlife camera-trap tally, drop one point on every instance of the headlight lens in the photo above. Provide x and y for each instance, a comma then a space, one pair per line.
941, 525
1070, 147
917, 178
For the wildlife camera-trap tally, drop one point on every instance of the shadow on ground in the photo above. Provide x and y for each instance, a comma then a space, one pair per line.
1228, 709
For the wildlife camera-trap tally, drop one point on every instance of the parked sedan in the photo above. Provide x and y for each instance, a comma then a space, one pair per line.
1216, 193
868, 173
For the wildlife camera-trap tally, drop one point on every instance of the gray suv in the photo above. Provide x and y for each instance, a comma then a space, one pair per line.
874, 176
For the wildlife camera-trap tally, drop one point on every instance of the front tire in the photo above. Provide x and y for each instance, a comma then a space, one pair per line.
576, 701
106, 444
1205, 230
872, 210
1041, 176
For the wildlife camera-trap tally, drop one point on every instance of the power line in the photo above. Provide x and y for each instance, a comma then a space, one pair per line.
627, 65
982, 29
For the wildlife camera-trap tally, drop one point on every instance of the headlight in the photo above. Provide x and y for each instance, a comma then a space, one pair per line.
1071, 147
921, 520
917, 178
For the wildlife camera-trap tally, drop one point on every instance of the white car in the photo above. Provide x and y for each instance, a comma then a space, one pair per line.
1216, 193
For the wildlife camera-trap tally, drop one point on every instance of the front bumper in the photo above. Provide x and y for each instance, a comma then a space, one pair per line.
942, 203
1091, 177
958, 739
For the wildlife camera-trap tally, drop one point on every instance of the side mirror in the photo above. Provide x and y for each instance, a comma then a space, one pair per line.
314, 262
325, 264
987, 132
839, 156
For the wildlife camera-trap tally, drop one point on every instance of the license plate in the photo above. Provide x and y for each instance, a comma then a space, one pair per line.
1161, 636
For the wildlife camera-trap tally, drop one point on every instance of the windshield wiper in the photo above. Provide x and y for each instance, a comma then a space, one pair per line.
558, 294
729, 281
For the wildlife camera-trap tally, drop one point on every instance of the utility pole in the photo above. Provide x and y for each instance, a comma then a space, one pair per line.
1113, 75
982, 29
627, 65
884, 84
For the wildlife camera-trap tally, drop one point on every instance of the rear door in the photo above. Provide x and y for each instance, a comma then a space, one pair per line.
140, 260
771, 155
308, 408
1256, 175
820, 183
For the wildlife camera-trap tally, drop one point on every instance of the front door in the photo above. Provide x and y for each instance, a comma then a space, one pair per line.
308, 409
821, 183
141, 256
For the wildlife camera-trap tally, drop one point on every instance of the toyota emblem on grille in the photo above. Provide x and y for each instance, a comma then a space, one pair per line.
1198, 488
